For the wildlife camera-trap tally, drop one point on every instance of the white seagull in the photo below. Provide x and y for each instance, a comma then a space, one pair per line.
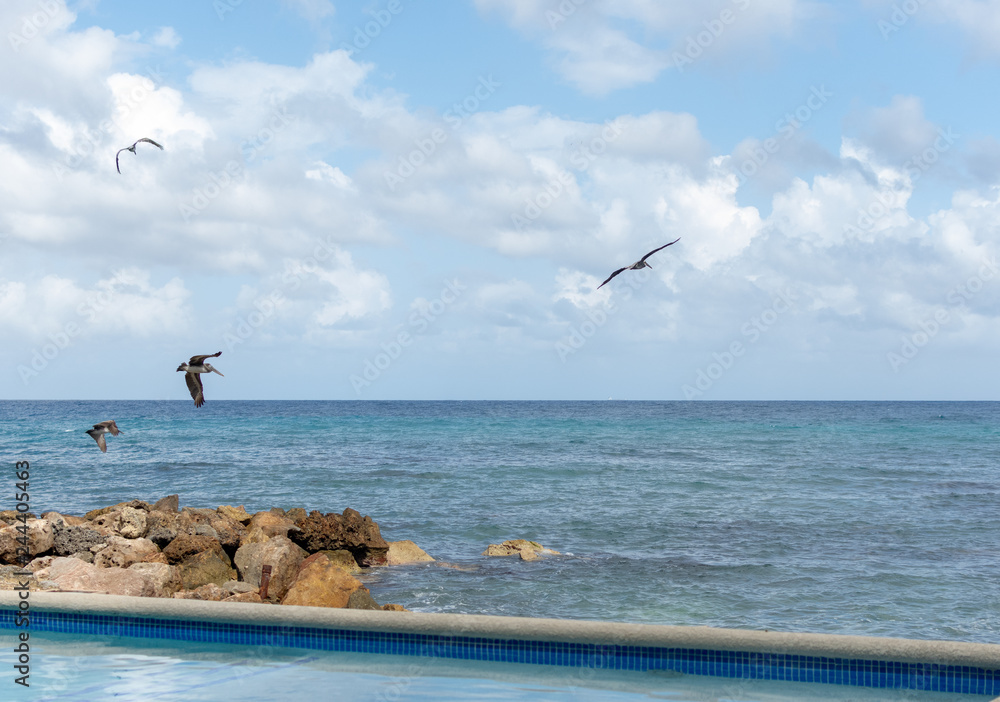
191, 369
641, 263
132, 149
99, 430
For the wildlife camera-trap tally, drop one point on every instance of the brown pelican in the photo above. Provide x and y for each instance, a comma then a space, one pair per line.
99, 430
132, 149
192, 369
641, 263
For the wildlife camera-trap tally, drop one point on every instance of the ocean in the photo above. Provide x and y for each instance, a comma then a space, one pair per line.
872, 518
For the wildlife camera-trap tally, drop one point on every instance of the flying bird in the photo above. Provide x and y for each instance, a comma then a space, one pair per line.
132, 149
641, 263
99, 430
192, 369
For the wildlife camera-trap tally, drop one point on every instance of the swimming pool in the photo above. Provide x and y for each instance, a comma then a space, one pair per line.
182, 649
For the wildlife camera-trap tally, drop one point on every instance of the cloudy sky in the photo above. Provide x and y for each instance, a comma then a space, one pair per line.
415, 200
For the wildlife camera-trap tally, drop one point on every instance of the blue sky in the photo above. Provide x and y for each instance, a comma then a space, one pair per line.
324, 215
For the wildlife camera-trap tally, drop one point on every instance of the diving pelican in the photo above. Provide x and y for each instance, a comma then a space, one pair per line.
192, 369
132, 149
641, 263
99, 430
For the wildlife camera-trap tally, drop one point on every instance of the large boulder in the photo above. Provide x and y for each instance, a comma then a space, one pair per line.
265, 525
131, 523
72, 574
278, 552
73, 539
322, 584
122, 553
187, 545
166, 579
349, 531
401, 552
40, 540
170, 504
210, 566
161, 527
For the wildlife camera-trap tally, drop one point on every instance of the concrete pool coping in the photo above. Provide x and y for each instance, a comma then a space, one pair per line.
953, 653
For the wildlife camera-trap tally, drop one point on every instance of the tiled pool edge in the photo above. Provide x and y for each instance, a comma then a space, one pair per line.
944, 666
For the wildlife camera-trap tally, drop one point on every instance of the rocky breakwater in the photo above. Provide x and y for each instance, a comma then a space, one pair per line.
225, 554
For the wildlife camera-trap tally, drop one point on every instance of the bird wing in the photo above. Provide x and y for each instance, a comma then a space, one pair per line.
112, 427
612, 276
99, 438
659, 249
117, 167
146, 139
198, 360
197, 391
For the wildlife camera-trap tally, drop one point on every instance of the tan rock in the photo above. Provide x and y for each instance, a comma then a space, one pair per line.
343, 559
40, 540
514, 547
12, 516
209, 591
206, 567
394, 608
322, 584
137, 504
121, 552
251, 597
158, 557
74, 575
39, 563
166, 579
406, 551
131, 523
264, 526
296, 513
278, 552
237, 513
528, 555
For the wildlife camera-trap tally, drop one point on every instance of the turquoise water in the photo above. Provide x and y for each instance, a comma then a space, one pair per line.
859, 518
84, 669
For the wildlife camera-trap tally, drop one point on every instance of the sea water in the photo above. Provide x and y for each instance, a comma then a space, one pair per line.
863, 518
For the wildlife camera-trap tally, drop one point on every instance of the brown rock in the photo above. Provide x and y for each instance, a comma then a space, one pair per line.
165, 579
278, 552
349, 531
322, 584
237, 513
265, 525
343, 560
296, 513
401, 552
169, 504
136, 504
209, 591
211, 566
515, 547
187, 545
121, 553
12, 516
362, 599
74, 575
229, 531
528, 555
251, 597
394, 608
157, 557
40, 540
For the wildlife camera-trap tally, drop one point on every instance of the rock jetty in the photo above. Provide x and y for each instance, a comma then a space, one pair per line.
225, 554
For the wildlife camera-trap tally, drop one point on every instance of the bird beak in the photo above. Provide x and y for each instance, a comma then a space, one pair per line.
216, 370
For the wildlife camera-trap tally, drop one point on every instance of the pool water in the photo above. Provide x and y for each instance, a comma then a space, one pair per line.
71, 667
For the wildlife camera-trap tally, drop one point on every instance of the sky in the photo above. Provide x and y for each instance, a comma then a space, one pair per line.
397, 200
